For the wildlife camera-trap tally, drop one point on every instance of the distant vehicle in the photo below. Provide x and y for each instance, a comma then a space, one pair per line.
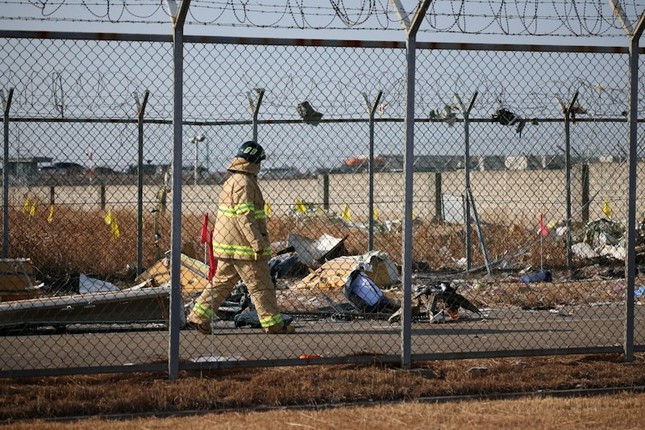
149, 169
280, 173
64, 168
103, 170
362, 160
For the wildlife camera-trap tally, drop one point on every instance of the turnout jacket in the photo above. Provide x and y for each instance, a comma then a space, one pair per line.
240, 229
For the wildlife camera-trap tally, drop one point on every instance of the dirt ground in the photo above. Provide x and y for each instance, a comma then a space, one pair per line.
249, 389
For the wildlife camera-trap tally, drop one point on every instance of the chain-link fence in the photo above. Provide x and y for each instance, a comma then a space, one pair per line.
520, 201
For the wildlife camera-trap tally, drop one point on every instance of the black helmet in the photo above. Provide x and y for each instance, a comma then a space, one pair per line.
252, 152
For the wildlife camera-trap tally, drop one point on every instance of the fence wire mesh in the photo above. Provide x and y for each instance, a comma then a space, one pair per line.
87, 272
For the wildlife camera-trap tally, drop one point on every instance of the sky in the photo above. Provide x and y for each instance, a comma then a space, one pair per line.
98, 80
493, 21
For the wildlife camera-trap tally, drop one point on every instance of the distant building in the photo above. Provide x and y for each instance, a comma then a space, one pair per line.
523, 162
487, 163
26, 168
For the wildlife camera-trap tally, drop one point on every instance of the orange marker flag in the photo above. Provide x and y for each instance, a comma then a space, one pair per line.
212, 262
544, 230
203, 239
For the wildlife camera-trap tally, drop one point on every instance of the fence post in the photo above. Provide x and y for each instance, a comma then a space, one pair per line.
371, 110
633, 162
634, 35
254, 107
466, 113
585, 192
141, 109
178, 18
566, 110
6, 105
438, 203
102, 196
411, 28
325, 186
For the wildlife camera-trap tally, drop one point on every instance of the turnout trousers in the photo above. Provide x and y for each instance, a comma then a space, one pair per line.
257, 278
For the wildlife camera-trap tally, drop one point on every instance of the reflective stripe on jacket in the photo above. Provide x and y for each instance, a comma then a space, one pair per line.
240, 228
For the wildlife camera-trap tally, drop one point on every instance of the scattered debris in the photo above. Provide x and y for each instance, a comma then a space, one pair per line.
193, 275
478, 370
133, 305
366, 296
308, 114
92, 285
541, 276
216, 358
601, 238
334, 273
309, 356
17, 280
445, 303
315, 252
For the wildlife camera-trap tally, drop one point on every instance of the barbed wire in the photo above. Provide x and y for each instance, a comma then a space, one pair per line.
502, 17
90, 94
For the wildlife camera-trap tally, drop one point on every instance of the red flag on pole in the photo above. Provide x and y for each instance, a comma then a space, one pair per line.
212, 263
544, 230
204, 235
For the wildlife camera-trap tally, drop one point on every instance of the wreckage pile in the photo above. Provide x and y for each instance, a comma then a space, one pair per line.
312, 277
315, 278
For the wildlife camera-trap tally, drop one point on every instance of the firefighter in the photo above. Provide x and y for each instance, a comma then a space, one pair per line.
241, 244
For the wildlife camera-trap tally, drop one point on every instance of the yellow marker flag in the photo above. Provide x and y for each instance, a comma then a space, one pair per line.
50, 217
108, 217
414, 215
300, 207
115, 228
346, 215
32, 210
267, 210
26, 206
375, 214
606, 209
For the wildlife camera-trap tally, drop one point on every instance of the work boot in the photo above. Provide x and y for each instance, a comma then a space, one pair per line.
203, 326
280, 329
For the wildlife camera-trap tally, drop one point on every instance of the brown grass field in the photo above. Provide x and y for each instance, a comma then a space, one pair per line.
80, 242
622, 411
252, 389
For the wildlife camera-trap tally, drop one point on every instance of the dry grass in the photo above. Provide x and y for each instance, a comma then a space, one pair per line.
623, 411
313, 385
80, 242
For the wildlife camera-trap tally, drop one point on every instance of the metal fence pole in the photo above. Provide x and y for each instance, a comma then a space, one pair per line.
325, 187
411, 28
6, 102
634, 35
567, 166
255, 110
631, 214
585, 191
466, 113
141, 109
371, 110
179, 17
